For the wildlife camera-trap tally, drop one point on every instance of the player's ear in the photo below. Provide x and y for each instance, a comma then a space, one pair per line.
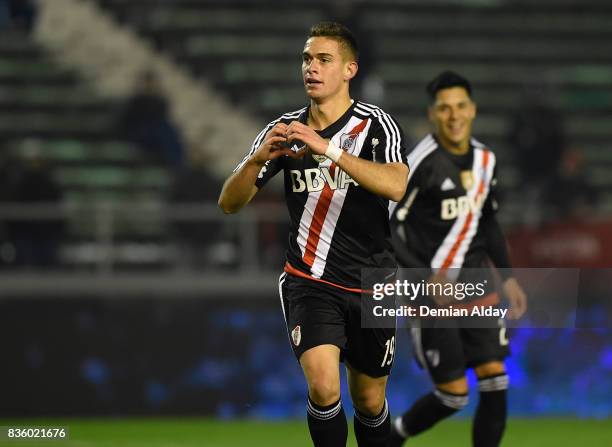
474, 110
430, 113
350, 70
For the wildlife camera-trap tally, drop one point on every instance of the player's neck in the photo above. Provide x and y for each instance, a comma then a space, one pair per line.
325, 113
455, 149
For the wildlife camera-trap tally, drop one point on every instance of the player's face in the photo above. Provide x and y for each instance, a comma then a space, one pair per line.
325, 69
452, 114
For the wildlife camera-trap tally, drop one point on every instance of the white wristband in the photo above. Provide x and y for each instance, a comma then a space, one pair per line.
333, 152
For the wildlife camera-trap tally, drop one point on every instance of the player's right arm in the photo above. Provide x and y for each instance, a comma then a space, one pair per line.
240, 187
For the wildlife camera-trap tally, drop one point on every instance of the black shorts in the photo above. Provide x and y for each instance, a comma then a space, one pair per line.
317, 314
446, 352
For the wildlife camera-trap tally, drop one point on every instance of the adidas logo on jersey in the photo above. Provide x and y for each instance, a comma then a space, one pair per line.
447, 185
315, 179
460, 206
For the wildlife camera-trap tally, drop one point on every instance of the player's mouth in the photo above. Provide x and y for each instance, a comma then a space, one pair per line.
311, 82
455, 128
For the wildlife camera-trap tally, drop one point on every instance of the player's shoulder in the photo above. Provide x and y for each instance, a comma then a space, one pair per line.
371, 110
378, 115
368, 109
423, 152
477, 144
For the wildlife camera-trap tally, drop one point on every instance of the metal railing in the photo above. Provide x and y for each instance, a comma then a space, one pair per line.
240, 231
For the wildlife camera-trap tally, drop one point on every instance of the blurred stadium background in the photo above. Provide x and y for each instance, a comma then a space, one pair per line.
124, 291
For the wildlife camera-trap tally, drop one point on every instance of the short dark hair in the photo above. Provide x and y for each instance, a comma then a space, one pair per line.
339, 33
447, 79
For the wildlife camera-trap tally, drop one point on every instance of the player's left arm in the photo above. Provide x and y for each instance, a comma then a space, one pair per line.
387, 180
498, 253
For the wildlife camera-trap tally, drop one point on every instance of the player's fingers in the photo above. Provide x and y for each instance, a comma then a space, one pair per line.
512, 313
518, 306
291, 126
522, 305
296, 138
521, 299
300, 138
275, 141
293, 133
277, 131
296, 128
270, 136
282, 151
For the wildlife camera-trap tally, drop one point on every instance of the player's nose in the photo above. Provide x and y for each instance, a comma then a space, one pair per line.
312, 67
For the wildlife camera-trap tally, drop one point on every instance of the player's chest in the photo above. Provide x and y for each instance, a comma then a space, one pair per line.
313, 174
447, 179
452, 191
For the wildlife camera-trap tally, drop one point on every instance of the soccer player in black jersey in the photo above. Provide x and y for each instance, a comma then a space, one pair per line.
343, 162
435, 227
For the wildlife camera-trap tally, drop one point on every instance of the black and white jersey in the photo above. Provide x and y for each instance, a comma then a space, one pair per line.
440, 220
337, 227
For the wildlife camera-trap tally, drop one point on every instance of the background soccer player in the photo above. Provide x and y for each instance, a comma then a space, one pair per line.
342, 161
432, 229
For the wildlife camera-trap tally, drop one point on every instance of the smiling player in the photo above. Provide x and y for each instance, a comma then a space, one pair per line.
447, 221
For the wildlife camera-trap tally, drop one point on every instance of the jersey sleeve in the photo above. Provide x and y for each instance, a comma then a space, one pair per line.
271, 168
387, 140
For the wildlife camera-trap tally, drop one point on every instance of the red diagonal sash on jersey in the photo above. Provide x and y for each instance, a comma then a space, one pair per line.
314, 232
481, 187
320, 213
